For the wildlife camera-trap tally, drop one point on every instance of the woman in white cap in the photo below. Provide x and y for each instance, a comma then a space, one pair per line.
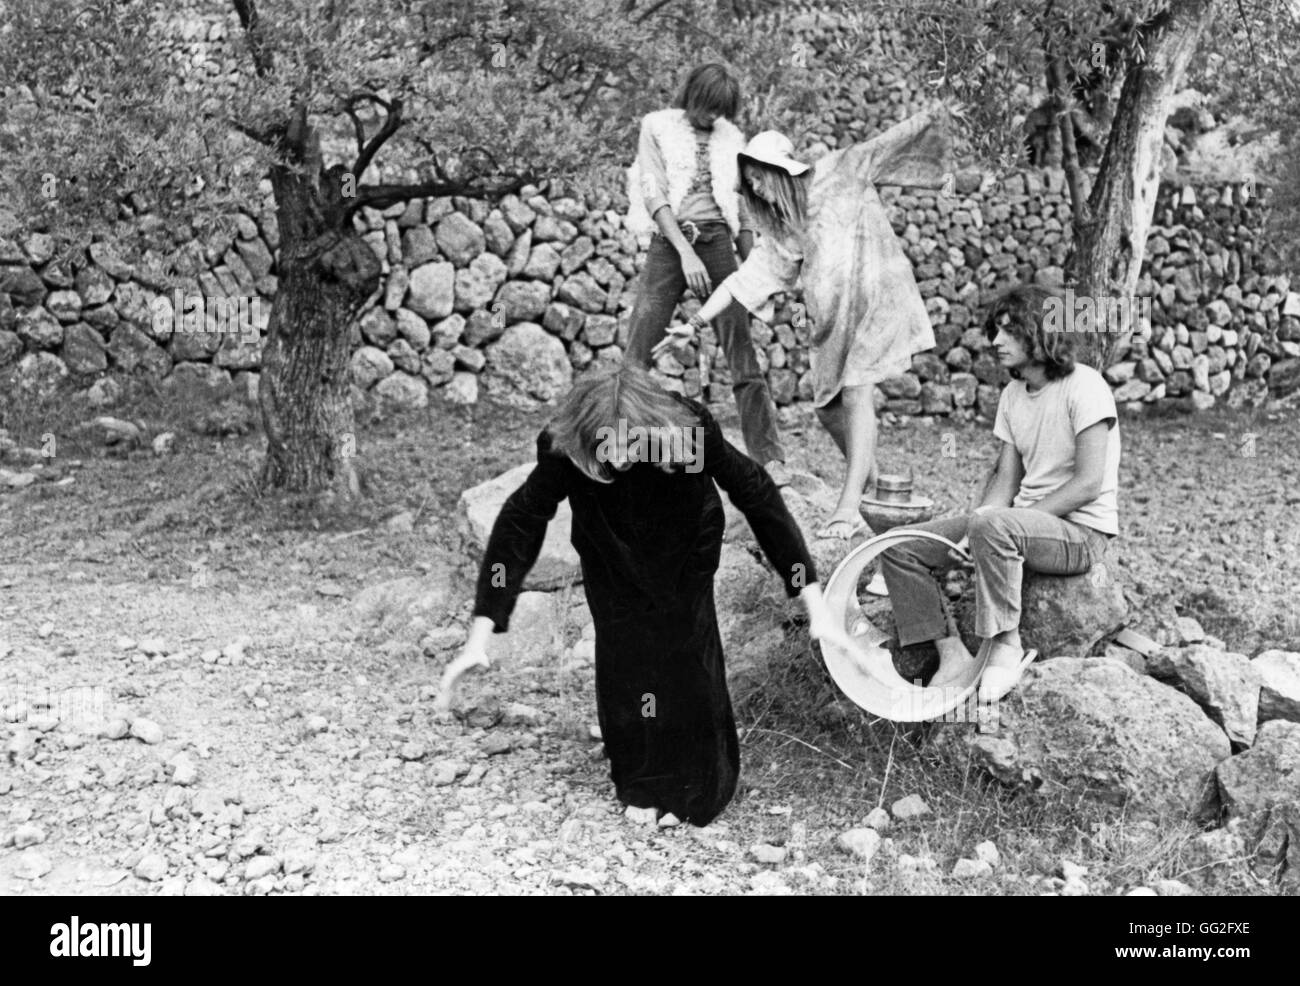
825, 223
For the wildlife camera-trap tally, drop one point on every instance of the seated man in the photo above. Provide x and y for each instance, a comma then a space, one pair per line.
1049, 503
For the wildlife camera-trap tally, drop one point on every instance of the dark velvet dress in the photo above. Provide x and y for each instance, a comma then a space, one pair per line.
649, 543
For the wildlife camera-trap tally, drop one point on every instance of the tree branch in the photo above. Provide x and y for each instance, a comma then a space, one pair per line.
391, 124
251, 22
382, 196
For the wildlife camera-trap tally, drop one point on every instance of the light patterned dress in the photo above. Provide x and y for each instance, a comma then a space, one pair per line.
868, 318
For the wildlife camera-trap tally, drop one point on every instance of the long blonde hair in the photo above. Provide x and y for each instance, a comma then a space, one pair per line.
788, 214
610, 417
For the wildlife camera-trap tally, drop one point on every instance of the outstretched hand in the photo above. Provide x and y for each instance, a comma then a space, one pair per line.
678, 335
470, 657
822, 624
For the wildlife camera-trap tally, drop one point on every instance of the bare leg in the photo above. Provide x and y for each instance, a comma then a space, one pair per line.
851, 421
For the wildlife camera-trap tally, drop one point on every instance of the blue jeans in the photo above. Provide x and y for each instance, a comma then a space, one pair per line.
1003, 543
662, 286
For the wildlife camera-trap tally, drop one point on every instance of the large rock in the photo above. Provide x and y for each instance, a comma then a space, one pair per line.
527, 365
10, 347
403, 390
522, 301
1279, 696
23, 285
557, 564
1262, 788
459, 239
40, 373
1060, 615
83, 349
40, 329
1225, 685
369, 366
1095, 726
410, 607
535, 634
433, 290
477, 284
132, 350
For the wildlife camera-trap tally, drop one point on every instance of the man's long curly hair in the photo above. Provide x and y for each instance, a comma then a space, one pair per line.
1021, 310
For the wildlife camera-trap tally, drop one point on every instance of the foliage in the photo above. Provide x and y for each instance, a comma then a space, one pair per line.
476, 95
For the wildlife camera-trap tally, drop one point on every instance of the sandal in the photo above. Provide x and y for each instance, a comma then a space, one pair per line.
998, 681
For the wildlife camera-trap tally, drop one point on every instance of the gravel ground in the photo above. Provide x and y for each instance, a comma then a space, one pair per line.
219, 719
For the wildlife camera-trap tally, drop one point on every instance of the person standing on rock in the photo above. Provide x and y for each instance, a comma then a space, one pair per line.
684, 186
647, 526
1050, 503
825, 223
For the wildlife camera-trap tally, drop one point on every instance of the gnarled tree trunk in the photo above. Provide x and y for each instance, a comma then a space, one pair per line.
1110, 239
326, 273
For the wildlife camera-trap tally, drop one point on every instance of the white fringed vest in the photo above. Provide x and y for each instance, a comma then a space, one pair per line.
676, 139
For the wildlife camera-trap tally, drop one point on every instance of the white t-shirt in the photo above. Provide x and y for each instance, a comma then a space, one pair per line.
1043, 425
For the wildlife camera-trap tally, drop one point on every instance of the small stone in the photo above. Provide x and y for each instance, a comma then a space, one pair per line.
391, 873
1141, 892
147, 731
125, 644
261, 866
412, 751
767, 854
1073, 871
1189, 630
153, 646
164, 443
201, 886
184, 772
972, 869
402, 523
861, 843
116, 729
1174, 888
878, 819
668, 820
442, 773
988, 852
22, 745
316, 724
28, 835
152, 867
641, 816
299, 861
912, 806
496, 745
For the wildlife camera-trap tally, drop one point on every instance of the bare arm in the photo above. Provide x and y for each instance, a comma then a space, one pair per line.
744, 243
1003, 482
1089, 473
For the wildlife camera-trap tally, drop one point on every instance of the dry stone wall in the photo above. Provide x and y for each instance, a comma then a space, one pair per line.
511, 299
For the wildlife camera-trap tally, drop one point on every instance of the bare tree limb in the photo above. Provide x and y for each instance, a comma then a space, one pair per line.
392, 122
382, 196
251, 22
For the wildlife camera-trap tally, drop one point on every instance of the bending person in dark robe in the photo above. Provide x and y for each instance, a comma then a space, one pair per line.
639, 466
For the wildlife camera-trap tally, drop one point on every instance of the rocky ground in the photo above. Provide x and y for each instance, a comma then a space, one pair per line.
205, 691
